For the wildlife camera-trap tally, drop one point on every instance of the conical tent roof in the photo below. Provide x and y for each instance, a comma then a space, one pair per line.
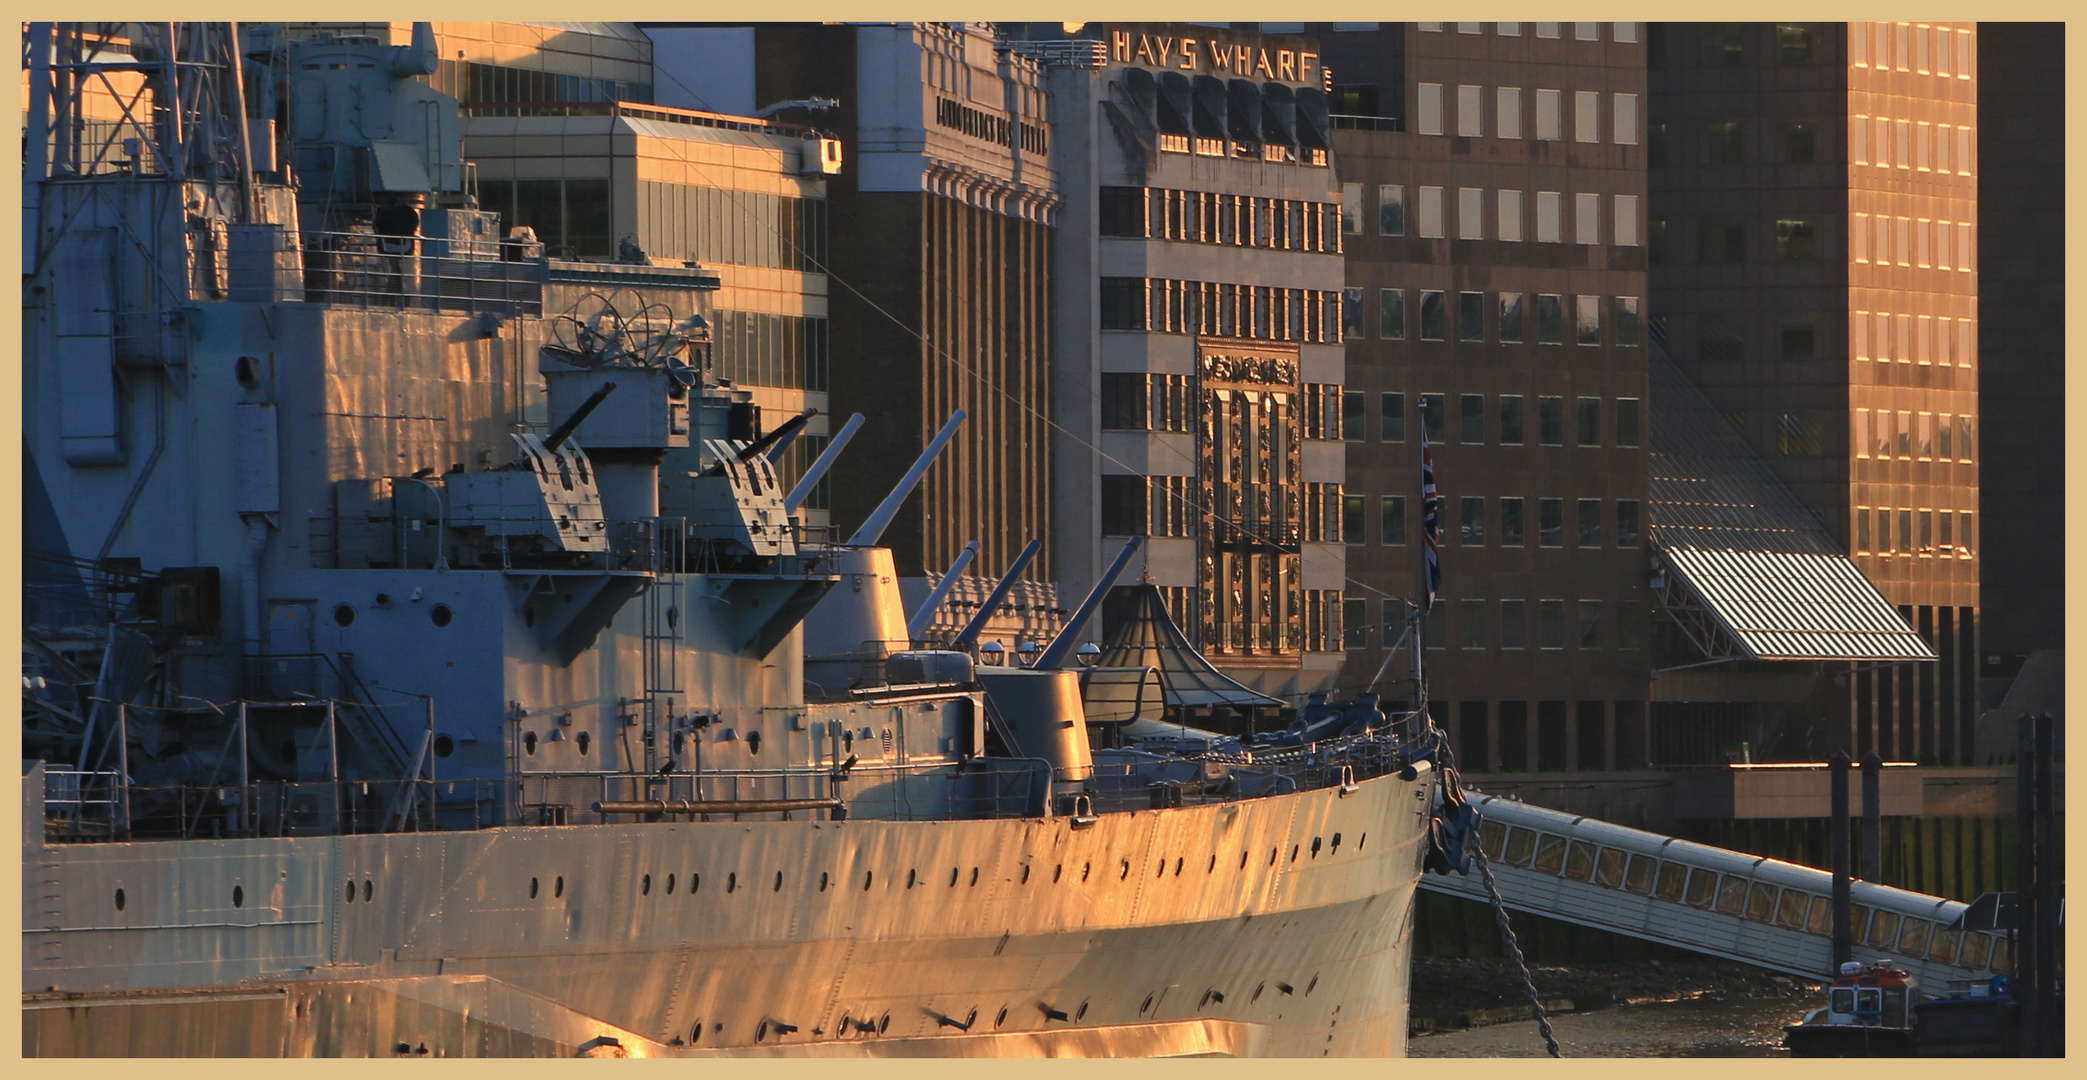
1149, 638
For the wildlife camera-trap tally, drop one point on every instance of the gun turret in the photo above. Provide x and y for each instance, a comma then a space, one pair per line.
572, 423
918, 624
1062, 645
985, 611
754, 449
873, 529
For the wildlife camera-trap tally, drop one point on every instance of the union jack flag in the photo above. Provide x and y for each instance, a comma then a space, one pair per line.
1430, 518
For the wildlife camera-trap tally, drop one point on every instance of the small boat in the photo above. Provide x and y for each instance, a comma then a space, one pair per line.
1868, 1013
1977, 1018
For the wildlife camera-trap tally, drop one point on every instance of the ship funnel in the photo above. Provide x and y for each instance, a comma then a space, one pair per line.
873, 529
1062, 646
919, 623
579, 416
985, 611
817, 472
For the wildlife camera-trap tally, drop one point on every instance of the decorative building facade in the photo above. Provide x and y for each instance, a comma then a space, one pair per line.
1198, 336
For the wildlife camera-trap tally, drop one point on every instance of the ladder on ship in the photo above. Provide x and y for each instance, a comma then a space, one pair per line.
1749, 908
664, 621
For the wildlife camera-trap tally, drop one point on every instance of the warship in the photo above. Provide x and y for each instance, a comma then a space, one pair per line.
424, 656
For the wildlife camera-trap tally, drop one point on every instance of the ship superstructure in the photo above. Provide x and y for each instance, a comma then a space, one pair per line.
426, 656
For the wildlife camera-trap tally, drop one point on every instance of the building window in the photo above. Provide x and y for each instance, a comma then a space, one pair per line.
1470, 118
1434, 416
1721, 142
1352, 419
1391, 314
1550, 624
1122, 211
1586, 31
1434, 630
1473, 624
1550, 319
1510, 419
1351, 519
1590, 630
1123, 402
1471, 316
1623, 128
1586, 218
1547, 30
1123, 507
1799, 434
1549, 122
1392, 511
1355, 632
1656, 242
1796, 241
1511, 521
1428, 116
1626, 422
1590, 523
1586, 126
1471, 214
1550, 421
1587, 319
1587, 422
1351, 209
1431, 212
1510, 317
1509, 225
1800, 341
1624, 310
1473, 418
1507, 109
1720, 242
1626, 523
1722, 44
1351, 312
1122, 303
1391, 417
1472, 520
1548, 212
1514, 624
1434, 321
1800, 143
1793, 43
1626, 223
1391, 209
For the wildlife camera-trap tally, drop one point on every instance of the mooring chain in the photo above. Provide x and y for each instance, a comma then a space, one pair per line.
1514, 950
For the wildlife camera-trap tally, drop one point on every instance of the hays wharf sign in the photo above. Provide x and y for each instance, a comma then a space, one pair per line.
1239, 58
1247, 365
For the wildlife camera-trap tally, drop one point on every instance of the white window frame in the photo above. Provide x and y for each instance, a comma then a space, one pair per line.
1427, 111
1471, 221
1431, 212
1471, 117
1549, 212
1548, 30
1586, 31
1625, 221
1586, 116
1623, 124
1586, 217
1626, 33
1470, 28
1430, 27
1550, 119
1508, 29
1507, 112
1508, 216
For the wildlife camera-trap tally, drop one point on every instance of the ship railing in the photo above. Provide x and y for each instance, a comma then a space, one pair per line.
925, 791
458, 275
83, 804
82, 807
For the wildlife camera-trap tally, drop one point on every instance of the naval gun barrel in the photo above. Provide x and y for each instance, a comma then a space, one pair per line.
919, 623
783, 431
1062, 646
977, 624
817, 472
572, 423
873, 529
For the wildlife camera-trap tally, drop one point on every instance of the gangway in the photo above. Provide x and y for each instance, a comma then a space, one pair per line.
1707, 899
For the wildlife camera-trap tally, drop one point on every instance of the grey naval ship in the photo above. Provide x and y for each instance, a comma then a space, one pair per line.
421, 661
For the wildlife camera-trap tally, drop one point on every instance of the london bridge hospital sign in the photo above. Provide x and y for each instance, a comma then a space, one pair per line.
1243, 366
1245, 59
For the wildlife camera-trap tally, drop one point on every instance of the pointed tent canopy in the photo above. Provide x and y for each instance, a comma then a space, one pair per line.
1149, 638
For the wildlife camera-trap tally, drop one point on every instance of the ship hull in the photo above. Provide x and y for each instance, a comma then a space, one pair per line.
1274, 926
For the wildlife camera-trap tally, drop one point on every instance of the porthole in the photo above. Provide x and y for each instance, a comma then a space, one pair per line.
1057, 872
367, 889
1258, 987
344, 615
695, 1034
532, 890
670, 884
822, 881
1025, 873
695, 881
1125, 872
645, 886
753, 742
440, 615
444, 746
1213, 864
974, 877
778, 882
1177, 866
953, 872
584, 740
847, 741
1294, 849
1242, 860
1272, 853
529, 743
238, 896
1308, 987
1001, 1018
732, 881
1363, 839
558, 886
1336, 845
910, 879
1085, 869
119, 899
866, 876
1147, 1005
1315, 848
1080, 1013
1161, 869
351, 892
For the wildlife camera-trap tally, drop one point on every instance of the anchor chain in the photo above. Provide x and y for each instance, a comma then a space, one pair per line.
1514, 950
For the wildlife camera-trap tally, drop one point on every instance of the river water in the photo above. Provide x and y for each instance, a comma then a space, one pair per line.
1745, 1027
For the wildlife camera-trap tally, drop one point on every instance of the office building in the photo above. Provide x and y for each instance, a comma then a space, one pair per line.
1198, 338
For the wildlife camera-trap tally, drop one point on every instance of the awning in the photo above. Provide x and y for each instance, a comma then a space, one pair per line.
1747, 570
1149, 638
